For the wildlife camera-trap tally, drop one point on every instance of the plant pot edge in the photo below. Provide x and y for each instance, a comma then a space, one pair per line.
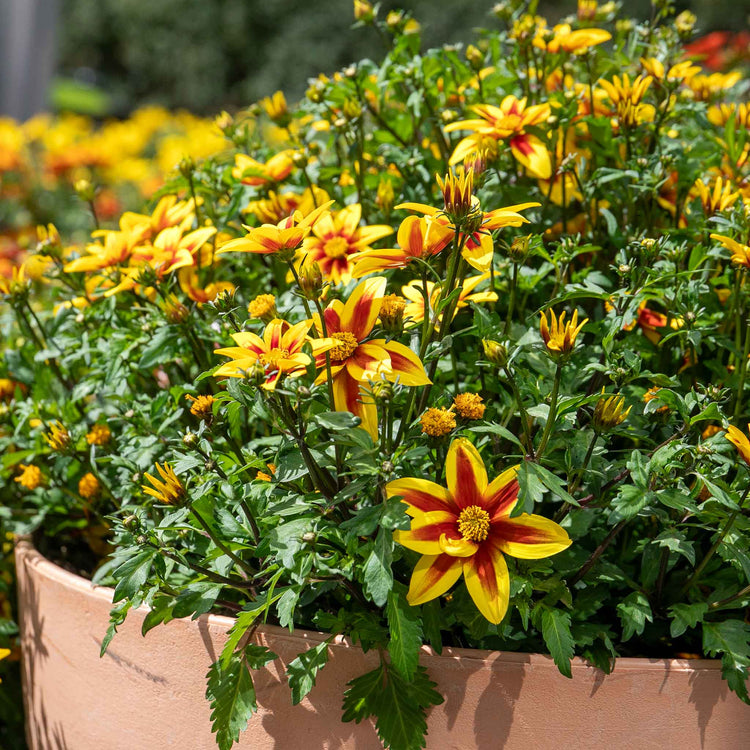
25, 548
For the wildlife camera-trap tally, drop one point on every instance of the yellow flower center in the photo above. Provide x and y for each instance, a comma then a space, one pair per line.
271, 359
511, 123
336, 247
437, 422
345, 348
474, 523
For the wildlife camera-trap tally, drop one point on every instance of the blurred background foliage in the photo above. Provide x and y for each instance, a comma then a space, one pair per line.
205, 55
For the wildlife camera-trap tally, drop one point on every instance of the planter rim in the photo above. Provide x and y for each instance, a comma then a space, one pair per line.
53, 572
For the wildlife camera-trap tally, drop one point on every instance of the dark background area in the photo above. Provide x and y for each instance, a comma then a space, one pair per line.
205, 55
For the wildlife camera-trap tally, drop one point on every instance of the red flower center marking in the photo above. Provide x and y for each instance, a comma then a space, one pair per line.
474, 523
336, 247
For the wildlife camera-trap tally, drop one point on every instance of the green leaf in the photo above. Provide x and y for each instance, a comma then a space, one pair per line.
557, 637
530, 490
337, 420
232, 693
303, 670
405, 634
631, 500
735, 672
377, 574
132, 574
727, 637
117, 617
634, 611
398, 705
196, 599
245, 620
686, 616
161, 612
552, 483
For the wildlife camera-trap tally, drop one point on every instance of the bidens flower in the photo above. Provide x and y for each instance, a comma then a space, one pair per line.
740, 441
560, 337
466, 529
278, 353
356, 359
171, 491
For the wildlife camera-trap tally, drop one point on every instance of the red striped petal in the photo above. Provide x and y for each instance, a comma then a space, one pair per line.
465, 473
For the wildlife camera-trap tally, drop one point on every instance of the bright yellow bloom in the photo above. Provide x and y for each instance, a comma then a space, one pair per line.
263, 307
681, 71
355, 358
415, 311
278, 206
251, 172
469, 405
31, 476
719, 199
740, 253
89, 486
17, 285
740, 441
285, 237
170, 491
438, 422
99, 435
418, 238
608, 412
336, 238
563, 39
507, 122
705, 86
276, 108
627, 99
7, 389
458, 193
466, 528
57, 437
201, 406
279, 353
477, 243
560, 338
720, 115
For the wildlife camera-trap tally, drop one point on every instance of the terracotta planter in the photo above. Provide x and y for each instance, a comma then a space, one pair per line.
149, 692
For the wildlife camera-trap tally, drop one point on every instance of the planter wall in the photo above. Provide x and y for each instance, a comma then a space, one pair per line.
149, 692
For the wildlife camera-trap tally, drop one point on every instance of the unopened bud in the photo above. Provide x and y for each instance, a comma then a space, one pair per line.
519, 248
311, 280
85, 190
475, 57
495, 352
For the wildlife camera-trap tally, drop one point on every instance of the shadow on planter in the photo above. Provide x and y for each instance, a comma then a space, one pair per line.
155, 687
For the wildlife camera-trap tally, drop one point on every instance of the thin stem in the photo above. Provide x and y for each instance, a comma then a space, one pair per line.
597, 553
712, 550
512, 299
552, 411
223, 547
529, 446
743, 374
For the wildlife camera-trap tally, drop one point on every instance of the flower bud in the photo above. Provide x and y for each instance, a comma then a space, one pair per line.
519, 248
190, 439
363, 11
85, 190
392, 314
475, 57
131, 523
495, 352
311, 280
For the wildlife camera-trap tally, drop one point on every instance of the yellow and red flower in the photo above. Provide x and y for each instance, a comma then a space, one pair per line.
414, 311
418, 238
508, 122
286, 236
740, 441
279, 353
336, 238
740, 252
356, 359
466, 529
252, 172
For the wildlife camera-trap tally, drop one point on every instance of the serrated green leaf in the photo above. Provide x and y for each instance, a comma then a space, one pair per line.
634, 611
231, 693
377, 574
302, 671
132, 574
686, 616
405, 634
558, 638
727, 637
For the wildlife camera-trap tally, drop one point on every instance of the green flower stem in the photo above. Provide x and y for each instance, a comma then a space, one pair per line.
597, 553
712, 550
552, 412
723, 602
290, 263
743, 374
528, 444
575, 484
244, 567
329, 378
512, 299
208, 574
